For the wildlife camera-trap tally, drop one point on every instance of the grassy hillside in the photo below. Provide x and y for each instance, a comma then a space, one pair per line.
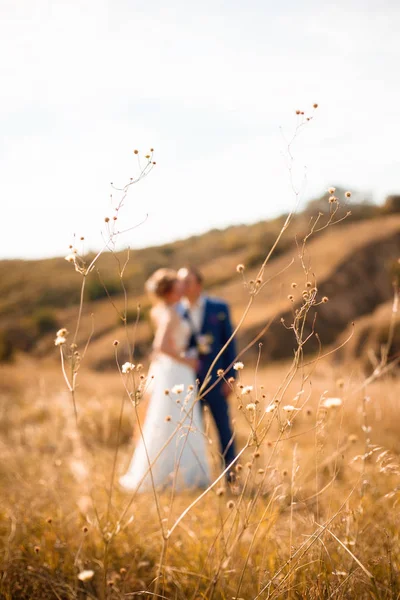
351, 262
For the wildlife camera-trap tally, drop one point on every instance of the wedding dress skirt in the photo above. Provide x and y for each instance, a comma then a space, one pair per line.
172, 440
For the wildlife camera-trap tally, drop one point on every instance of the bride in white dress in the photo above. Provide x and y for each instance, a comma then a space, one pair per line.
172, 411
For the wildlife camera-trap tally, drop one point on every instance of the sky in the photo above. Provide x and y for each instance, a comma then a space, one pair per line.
213, 87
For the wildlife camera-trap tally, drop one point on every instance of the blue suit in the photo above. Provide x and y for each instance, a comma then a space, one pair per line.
216, 329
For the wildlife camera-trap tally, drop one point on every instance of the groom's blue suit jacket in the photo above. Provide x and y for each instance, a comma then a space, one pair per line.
217, 328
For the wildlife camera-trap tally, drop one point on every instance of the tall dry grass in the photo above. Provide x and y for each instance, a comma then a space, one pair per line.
312, 513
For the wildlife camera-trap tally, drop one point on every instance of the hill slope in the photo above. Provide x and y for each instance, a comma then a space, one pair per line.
351, 262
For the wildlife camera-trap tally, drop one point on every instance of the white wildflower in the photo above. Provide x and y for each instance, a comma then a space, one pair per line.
127, 367
270, 408
70, 258
86, 575
247, 390
62, 332
60, 340
290, 408
251, 407
178, 389
332, 402
238, 366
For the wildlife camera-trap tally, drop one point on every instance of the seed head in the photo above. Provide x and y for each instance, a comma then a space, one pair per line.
127, 367
167, 418
325, 299
308, 284
37, 549
257, 454
239, 467
166, 392
136, 152
348, 194
178, 389
106, 219
291, 297
293, 285
247, 389
332, 190
220, 491
151, 149
332, 199
315, 105
238, 366
249, 465
220, 372
230, 504
240, 268
85, 529
147, 156
49, 520
86, 575
115, 343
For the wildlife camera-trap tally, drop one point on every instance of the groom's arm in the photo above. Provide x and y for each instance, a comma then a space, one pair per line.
230, 353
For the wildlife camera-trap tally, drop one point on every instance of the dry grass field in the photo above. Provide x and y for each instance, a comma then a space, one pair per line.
315, 517
314, 514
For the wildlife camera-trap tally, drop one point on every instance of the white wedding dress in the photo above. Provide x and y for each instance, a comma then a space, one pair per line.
183, 461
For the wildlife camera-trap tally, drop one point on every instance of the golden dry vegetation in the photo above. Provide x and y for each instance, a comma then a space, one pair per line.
315, 514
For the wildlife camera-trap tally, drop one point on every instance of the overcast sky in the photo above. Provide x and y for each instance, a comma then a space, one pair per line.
210, 85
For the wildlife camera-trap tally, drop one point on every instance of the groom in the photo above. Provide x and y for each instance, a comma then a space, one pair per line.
211, 326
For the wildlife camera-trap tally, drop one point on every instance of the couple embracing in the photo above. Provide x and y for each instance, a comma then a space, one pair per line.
190, 331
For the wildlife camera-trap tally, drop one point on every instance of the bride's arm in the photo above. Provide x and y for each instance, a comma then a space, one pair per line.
164, 341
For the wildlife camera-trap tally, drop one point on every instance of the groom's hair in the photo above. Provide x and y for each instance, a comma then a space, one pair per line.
196, 273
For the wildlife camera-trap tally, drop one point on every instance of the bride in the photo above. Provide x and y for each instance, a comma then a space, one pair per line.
160, 460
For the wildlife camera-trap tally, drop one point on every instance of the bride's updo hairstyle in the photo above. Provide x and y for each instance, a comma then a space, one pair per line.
161, 283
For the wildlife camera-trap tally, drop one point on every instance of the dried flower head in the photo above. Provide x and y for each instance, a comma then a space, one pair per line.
238, 366
251, 407
230, 504
127, 367
220, 491
220, 373
348, 194
315, 105
246, 390
290, 297
115, 343
70, 258
290, 408
60, 340
293, 285
270, 408
332, 190
178, 389
325, 299
62, 332
240, 268
167, 418
332, 402
106, 219
86, 575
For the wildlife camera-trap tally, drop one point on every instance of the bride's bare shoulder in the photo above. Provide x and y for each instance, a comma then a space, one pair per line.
163, 314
